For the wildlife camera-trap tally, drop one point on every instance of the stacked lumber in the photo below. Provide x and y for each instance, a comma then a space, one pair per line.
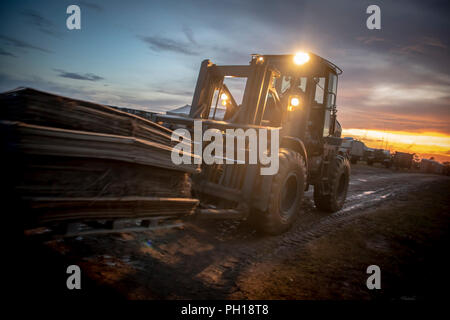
71, 160
40, 108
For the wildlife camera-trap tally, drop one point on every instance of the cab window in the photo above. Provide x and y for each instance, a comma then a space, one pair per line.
320, 89
331, 101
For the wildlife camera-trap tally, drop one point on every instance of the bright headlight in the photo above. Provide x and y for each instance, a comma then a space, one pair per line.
295, 102
301, 58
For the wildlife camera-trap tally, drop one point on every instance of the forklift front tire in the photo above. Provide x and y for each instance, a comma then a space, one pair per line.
286, 196
338, 180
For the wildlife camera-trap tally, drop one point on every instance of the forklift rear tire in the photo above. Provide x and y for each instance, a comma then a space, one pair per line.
338, 185
286, 195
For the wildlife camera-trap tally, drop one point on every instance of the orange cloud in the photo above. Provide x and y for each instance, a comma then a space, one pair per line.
425, 144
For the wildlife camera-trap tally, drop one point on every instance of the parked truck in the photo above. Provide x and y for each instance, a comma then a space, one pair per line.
432, 166
402, 160
353, 149
381, 156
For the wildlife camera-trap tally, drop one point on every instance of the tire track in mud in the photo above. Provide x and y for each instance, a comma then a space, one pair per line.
222, 274
311, 225
314, 224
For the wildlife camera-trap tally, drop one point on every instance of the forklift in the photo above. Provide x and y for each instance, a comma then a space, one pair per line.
295, 94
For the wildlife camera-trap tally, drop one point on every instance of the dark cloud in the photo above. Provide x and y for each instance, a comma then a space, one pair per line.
40, 22
174, 92
189, 34
22, 44
8, 82
370, 39
78, 76
37, 19
164, 44
94, 6
221, 54
6, 53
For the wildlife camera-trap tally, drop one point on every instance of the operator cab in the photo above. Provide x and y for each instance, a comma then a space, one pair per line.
306, 88
296, 92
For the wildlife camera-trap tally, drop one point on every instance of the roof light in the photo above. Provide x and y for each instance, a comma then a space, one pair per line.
301, 58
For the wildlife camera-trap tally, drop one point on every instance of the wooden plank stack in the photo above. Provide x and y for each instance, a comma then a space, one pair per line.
71, 160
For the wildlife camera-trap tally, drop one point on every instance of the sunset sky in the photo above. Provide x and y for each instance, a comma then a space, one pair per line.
394, 92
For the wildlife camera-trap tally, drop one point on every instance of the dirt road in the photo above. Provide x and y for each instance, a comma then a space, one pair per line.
322, 257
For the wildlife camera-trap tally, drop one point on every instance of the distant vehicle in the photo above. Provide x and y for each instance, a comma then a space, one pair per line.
402, 160
432, 166
354, 149
382, 156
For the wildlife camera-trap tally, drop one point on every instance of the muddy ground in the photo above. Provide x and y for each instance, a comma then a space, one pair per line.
396, 220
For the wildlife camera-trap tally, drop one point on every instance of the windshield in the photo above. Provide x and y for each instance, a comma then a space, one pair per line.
286, 82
